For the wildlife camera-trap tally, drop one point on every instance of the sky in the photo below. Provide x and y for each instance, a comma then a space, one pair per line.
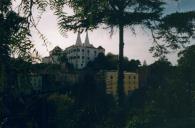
136, 46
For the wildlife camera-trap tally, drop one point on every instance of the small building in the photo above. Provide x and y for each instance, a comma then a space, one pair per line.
28, 83
54, 56
110, 80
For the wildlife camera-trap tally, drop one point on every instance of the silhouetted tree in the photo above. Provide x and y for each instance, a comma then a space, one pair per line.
132, 65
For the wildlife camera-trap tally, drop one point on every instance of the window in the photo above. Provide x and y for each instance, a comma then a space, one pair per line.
83, 57
134, 77
40, 81
109, 87
111, 77
129, 77
129, 92
83, 50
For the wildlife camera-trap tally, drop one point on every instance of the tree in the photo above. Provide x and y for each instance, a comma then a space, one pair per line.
110, 62
169, 97
158, 72
187, 72
91, 14
186, 62
14, 33
132, 65
165, 104
14, 37
14, 42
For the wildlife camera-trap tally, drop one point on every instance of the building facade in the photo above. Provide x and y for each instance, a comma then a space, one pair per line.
110, 78
28, 83
81, 54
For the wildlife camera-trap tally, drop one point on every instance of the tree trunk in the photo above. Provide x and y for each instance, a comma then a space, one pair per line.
120, 87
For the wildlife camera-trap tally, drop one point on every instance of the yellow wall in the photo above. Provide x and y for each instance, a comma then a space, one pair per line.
130, 82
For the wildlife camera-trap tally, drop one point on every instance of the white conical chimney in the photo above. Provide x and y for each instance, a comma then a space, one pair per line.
87, 40
78, 41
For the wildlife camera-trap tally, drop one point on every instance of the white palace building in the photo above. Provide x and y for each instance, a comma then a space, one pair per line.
78, 55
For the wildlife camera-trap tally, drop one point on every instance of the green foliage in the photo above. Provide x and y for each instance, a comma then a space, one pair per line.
92, 108
187, 71
27, 6
102, 62
169, 96
110, 62
59, 106
186, 60
14, 33
158, 72
89, 14
182, 22
175, 29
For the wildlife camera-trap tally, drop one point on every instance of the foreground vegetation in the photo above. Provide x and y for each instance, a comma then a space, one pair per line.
165, 99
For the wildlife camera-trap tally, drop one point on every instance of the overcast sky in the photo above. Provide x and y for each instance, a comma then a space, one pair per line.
136, 46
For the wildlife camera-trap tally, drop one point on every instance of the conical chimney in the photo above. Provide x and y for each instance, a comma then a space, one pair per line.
78, 41
87, 40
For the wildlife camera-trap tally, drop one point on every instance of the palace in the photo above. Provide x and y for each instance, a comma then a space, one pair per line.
79, 55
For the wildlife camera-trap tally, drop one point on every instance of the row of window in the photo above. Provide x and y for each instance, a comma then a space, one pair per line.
78, 57
80, 64
111, 87
78, 50
130, 77
129, 82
